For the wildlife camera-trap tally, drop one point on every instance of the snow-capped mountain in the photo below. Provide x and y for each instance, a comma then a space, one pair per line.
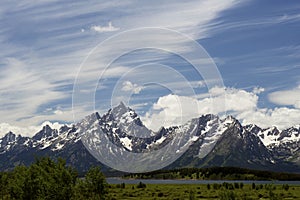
284, 144
207, 141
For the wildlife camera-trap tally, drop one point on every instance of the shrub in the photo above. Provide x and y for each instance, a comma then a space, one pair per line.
236, 185
141, 185
227, 195
208, 186
192, 195
241, 185
285, 187
216, 186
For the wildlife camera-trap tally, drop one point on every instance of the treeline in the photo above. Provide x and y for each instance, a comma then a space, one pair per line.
216, 173
48, 179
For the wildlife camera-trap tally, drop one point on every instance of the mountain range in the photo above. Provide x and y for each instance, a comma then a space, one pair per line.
215, 142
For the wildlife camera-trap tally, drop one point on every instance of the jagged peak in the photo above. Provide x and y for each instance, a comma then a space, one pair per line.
230, 118
9, 136
209, 116
52, 125
121, 112
92, 116
297, 127
161, 129
272, 130
120, 108
10, 133
122, 104
47, 127
229, 121
253, 128
45, 132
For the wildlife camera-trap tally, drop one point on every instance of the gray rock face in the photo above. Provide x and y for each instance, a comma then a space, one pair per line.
215, 142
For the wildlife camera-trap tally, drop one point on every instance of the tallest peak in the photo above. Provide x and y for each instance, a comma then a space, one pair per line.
121, 104
120, 109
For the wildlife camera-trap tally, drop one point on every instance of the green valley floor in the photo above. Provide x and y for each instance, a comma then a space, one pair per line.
225, 191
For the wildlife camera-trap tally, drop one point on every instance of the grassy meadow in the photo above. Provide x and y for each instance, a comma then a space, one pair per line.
223, 191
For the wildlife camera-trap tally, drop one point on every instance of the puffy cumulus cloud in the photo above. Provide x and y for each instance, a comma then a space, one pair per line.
286, 97
171, 110
102, 29
282, 117
131, 87
26, 131
230, 99
176, 110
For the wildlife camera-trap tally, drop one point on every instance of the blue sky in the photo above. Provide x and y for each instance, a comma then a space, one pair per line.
46, 46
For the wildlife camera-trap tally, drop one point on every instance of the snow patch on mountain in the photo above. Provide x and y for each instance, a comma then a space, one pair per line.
212, 132
127, 143
274, 137
122, 126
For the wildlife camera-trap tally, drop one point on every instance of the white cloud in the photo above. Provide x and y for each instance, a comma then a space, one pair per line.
43, 51
286, 18
131, 87
181, 16
58, 112
233, 99
171, 110
26, 131
262, 21
258, 90
23, 91
199, 84
286, 97
175, 110
102, 29
280, 117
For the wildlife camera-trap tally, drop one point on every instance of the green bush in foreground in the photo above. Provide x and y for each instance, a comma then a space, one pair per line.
47, 179
92, 187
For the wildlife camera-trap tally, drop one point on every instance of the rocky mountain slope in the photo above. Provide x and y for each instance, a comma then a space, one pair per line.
207, 141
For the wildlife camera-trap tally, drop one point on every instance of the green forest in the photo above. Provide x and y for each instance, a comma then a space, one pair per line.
53, 179
216, 173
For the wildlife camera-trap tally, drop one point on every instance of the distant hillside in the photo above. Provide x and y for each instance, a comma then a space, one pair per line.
216, 173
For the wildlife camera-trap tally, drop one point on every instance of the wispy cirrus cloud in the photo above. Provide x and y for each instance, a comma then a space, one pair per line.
260, 21
19, 98
43, 47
